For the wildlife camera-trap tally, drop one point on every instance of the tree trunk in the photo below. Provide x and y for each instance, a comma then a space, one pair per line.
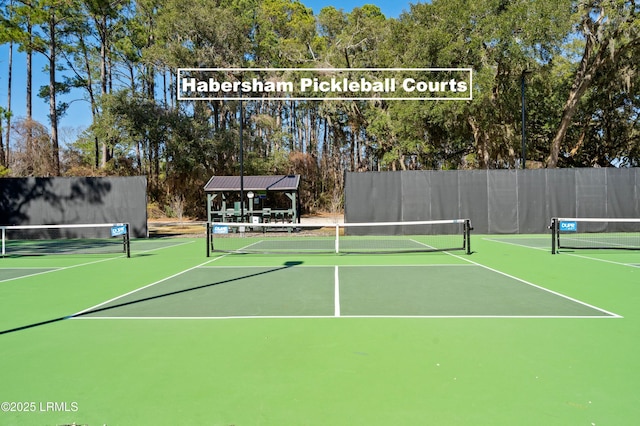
53, 113
101, 24
6, 157
29, 105
591, 62
480, 141
92, 98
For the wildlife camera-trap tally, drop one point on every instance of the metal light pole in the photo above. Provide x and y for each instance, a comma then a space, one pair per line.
524, 118
241, 163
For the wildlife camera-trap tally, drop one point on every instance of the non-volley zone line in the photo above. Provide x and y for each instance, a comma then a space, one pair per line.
294, 290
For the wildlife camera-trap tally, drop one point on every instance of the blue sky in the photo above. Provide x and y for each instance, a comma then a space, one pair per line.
78, 116
391, 9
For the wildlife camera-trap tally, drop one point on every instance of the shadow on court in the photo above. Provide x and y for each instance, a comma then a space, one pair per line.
286, 265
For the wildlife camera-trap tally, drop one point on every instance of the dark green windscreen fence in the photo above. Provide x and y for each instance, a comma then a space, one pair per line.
496, 201
75, 200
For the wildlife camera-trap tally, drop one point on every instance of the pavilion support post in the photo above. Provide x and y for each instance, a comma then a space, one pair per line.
294, 204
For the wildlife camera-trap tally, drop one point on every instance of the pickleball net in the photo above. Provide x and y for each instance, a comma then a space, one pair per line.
595, 233
94, 238
370, 238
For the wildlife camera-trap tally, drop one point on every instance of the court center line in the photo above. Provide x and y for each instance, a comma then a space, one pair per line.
336, 303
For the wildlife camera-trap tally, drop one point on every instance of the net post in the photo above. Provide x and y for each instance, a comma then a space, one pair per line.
127, 239
554, 232
337, 238
467, 235
4, 234
207, 236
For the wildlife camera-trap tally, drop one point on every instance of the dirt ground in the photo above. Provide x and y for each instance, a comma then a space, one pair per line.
170, 227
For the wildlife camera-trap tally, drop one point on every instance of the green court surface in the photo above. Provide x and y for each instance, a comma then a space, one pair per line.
508, 335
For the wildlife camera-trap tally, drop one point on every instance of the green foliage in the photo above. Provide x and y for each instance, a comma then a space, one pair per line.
577, 58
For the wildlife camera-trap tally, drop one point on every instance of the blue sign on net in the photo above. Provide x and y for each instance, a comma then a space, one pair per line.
220, 229
118, 230
568, 226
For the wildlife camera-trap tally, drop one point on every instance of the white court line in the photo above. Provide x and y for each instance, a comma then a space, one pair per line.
336, 293
337, 309
599, 260
439, 265
165, 247
18, 268
517, 245
337, 313
342, 317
